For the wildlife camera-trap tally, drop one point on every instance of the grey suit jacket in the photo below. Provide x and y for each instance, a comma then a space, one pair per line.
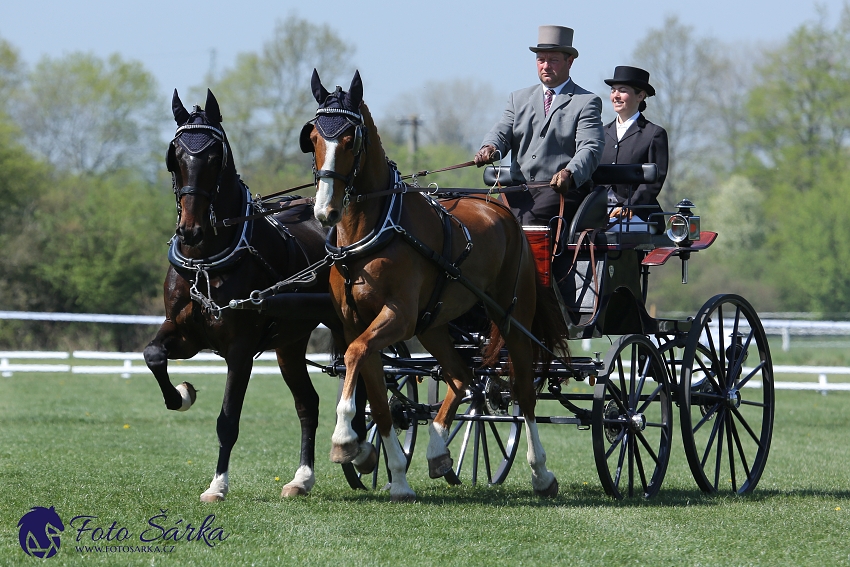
569, 136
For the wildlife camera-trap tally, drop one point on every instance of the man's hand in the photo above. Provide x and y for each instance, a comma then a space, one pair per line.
620, 213
485, 155
561, 181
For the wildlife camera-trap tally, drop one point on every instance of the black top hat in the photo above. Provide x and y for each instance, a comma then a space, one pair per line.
632, 76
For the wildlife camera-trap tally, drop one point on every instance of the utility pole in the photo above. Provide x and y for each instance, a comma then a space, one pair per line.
413, 141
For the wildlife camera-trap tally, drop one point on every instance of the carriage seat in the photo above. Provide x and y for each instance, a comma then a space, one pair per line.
593, 211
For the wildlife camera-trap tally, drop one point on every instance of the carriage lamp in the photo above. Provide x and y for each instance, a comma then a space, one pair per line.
677, 228
683, 226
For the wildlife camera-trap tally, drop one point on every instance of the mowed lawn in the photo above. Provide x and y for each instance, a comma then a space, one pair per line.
106, 447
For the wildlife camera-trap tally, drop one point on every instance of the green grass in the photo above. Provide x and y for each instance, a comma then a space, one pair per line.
106, 447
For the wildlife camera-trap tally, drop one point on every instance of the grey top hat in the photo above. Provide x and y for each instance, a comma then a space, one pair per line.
555, 38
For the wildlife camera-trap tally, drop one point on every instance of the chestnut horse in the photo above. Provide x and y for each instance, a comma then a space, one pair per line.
214, 264
385, 275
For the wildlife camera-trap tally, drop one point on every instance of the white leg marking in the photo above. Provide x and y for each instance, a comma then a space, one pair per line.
541, 477
218, 488
184, 396
364, 454
397, 463
344, 433
304, 478
437, 440
325, 189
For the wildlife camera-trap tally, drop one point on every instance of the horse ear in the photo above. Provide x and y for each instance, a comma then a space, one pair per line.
211, 108
181, 115
355, 91
319, 91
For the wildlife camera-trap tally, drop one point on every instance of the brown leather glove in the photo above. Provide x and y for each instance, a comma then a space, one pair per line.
485, 155
561, 181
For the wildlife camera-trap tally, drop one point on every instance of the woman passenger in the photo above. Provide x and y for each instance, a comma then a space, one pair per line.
631, 138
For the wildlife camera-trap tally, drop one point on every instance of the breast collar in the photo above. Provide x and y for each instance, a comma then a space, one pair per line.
226, 258
381, 235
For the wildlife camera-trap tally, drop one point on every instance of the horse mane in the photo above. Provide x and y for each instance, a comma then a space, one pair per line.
373, 139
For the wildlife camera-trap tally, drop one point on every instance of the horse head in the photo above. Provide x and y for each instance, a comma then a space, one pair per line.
337, 137
199, 160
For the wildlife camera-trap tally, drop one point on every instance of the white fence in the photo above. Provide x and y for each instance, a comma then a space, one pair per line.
80, 362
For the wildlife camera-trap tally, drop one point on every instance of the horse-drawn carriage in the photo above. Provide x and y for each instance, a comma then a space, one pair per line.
387, 284
715, 368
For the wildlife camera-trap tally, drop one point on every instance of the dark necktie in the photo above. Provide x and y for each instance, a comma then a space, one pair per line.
547, 100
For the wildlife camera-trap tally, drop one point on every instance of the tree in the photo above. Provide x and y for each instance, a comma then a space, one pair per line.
11, 73
799, 111
87, 115
266, 99
681, 69
798, 155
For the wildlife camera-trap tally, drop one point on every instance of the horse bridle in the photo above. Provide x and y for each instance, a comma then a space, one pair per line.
179, 192
357, 147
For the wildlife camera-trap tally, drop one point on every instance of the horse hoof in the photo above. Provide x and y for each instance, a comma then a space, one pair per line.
411, 497
212, 497
188, 395
550, 492
369, 463
343, 454
440, 466
293, 490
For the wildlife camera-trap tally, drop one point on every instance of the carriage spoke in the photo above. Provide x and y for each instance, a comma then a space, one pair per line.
617, 441
711, 438
747, 426
644, 371
476, 441
740, 448
622, 458
466, 433
498, 438
706, 417
719, 460
649, 449
631, 464
651, 398
486, 454
739, 359
731, 452
709, 376
641, 472
616, 396
755, 371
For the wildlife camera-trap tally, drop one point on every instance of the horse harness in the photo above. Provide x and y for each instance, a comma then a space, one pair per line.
195, 138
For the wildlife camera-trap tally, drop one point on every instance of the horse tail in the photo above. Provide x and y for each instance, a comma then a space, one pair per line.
548, 326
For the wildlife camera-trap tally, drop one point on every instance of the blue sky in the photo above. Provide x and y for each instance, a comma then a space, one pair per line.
399, 44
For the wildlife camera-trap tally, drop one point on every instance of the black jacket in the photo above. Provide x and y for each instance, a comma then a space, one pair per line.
643, 142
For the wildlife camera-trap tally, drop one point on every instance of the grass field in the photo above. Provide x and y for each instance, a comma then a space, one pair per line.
106, 447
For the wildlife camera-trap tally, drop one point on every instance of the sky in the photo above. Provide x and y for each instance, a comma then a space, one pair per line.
398, 45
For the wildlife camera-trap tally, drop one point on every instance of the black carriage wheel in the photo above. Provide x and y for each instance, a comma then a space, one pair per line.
726, 396
483, 438
632, 419
398, 387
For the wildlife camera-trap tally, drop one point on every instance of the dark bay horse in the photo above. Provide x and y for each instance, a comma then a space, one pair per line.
383, 284
212, 265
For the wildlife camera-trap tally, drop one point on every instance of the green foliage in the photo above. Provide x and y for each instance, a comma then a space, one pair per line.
11, 71
88, 115
101, 243
266, 98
